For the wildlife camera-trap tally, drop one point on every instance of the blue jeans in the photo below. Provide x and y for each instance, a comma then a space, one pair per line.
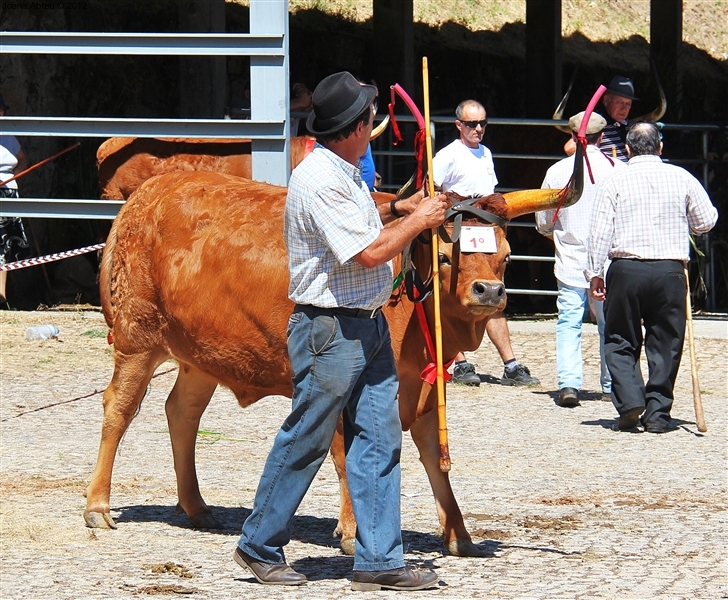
571, 303
341, 365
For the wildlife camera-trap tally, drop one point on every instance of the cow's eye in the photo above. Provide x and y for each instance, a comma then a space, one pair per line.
444, 260
507, 260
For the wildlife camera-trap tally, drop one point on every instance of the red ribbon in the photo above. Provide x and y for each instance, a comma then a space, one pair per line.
429, 373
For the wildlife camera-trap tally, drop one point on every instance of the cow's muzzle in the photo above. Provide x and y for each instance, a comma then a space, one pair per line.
489, 294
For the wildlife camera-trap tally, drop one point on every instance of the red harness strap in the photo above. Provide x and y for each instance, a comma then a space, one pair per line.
429, 373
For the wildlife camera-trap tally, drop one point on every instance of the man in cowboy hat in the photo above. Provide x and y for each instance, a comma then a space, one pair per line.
617, 101
338, 342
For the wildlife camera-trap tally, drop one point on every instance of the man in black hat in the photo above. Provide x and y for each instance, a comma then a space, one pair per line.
617, 101
340, 350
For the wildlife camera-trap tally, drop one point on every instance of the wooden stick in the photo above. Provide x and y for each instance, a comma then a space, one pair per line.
697, 400
441, 408
40, 164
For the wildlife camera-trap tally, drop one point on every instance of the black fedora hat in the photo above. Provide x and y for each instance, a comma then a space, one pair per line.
622, 86
2, 103
337, 100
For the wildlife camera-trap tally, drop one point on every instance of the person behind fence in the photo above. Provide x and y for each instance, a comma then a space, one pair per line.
642, 220
570, 233
465, 166
340, 269
13, 242
617, 102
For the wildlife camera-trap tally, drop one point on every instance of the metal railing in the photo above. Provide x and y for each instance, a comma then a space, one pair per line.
267, 46
392, 159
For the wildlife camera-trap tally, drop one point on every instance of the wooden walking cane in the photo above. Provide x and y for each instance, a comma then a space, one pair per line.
441, 409
697, 400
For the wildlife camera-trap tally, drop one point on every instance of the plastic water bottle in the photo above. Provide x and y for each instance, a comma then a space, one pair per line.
41, 332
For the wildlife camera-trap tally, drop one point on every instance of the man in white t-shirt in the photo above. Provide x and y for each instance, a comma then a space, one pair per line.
570, 232
466, 167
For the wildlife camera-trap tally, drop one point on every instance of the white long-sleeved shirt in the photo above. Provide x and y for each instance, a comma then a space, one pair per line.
647, 211
571, 228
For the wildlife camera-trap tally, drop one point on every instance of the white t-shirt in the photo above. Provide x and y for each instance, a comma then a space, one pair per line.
465, 171
9, 147
571, 229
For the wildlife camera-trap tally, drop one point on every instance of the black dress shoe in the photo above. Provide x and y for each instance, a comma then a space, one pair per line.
630, 419
394, 579
568, 397
657, 427
269, 573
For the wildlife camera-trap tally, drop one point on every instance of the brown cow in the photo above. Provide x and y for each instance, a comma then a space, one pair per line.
190, 253
125, 163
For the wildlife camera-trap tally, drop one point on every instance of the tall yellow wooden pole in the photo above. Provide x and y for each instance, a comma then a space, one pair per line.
441, 408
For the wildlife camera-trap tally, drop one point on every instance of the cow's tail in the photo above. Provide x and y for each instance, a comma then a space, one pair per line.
106, 277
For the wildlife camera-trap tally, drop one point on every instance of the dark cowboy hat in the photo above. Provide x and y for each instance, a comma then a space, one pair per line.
2, 103
622, 86
337, 100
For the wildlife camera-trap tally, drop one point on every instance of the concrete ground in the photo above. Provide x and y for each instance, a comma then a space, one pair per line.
563, 505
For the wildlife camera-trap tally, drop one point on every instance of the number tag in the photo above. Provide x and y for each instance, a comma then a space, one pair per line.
478, 239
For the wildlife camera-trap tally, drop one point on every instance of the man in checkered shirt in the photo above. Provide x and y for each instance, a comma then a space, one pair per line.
642, 220
339, 258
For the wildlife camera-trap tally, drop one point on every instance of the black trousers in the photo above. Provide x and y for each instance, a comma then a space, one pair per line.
650, 293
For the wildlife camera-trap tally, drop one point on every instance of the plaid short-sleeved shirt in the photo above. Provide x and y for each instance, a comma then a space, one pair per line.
331, 217
647, 211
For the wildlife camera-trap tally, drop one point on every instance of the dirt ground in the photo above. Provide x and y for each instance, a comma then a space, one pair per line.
565, 506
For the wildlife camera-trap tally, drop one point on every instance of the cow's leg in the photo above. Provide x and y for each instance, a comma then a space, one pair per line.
346, 527
122, 398
186, 402
457, 539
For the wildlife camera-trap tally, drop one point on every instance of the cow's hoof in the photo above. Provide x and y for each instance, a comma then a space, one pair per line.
347, 546
466, 548
97, 520
203, 520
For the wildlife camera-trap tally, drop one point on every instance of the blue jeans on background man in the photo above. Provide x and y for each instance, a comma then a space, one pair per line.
572, 302
341, 364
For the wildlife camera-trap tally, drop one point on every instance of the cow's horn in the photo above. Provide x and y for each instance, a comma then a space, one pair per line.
379, 129
525, 202
559, 112
660, 111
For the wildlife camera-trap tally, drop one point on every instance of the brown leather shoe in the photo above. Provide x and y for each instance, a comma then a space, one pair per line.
269, 573
568, 397
630, 419
402, 579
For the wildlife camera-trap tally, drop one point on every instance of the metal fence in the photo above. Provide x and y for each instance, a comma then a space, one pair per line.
268, 128
393, 160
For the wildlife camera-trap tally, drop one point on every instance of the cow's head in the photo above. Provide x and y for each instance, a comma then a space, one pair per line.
473, 250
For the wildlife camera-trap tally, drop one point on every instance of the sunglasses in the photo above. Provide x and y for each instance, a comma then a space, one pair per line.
474, 124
